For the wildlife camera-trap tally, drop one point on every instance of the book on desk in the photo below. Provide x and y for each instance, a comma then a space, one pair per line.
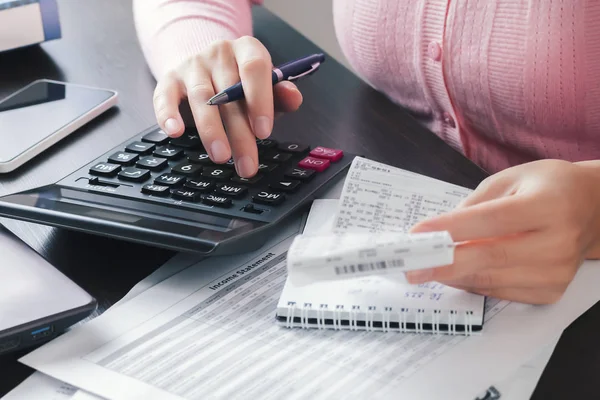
28, 22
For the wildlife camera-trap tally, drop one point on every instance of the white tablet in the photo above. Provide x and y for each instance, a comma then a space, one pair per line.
37, 302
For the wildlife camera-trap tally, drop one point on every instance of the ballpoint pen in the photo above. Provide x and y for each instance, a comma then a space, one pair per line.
290, 71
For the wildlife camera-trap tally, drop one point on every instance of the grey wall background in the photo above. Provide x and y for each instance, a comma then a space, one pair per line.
312, 18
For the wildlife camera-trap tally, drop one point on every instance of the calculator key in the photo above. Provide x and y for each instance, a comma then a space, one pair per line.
201, 185
293, 147
168, 152
266, 167
273, 156
156, 190
189, 140
134, 174
140, 148
247, 181
152, 163
263, 144
169, 180
300, 174
219, 201
186, 194
268, 197
157, 137
217, 173
285, 185
199, 158
317, 164
231, 190
123, 158
105, 169
332, 155
187, 168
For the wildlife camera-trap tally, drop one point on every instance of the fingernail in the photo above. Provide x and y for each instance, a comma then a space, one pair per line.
263, 127
288, 85
172, 126
218, 151
420, 276
245, 167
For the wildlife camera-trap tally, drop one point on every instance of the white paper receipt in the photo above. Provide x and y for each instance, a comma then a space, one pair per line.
342, 256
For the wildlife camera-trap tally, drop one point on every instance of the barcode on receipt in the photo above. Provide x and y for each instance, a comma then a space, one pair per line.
366, 267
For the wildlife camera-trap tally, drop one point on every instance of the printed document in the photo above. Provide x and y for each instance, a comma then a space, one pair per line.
209, 332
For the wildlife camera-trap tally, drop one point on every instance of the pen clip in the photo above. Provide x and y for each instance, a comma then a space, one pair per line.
312, 69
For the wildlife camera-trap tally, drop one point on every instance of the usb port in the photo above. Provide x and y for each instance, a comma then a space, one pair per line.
42, 332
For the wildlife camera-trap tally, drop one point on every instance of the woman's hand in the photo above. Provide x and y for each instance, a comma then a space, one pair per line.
217, 67
524, 232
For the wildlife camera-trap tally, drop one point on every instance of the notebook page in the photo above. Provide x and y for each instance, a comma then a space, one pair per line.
375, 292
379, 198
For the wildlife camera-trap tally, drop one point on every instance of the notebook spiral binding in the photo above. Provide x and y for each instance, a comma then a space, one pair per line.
457, 322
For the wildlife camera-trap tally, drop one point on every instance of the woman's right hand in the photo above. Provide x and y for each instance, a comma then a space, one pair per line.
214, 69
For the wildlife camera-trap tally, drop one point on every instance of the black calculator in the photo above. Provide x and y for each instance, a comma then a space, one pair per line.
167, 192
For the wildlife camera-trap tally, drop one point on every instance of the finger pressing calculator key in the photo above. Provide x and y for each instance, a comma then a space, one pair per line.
156, 137
188, 141
247, 181
201, 158
167, 192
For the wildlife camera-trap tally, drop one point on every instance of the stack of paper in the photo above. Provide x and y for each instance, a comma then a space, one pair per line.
206, 330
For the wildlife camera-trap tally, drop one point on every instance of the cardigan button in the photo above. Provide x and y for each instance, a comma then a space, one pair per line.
449, 120
435, 51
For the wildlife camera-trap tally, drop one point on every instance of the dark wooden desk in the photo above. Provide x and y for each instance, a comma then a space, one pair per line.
99, 48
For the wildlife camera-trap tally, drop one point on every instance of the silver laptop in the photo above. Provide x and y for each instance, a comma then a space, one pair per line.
37, 302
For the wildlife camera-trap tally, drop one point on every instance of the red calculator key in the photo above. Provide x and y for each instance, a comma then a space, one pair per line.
332, 155
317, 164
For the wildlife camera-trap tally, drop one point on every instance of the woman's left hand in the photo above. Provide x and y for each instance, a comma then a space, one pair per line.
523, 233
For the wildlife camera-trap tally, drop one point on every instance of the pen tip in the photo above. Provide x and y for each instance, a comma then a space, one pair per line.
218, 99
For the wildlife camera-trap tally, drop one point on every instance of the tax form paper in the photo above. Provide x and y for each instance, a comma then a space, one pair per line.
379, 204
209, 332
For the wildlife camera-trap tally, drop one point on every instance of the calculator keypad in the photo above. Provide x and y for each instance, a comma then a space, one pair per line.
181, 169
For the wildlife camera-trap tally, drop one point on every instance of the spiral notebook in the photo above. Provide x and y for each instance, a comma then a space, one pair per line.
378, 198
